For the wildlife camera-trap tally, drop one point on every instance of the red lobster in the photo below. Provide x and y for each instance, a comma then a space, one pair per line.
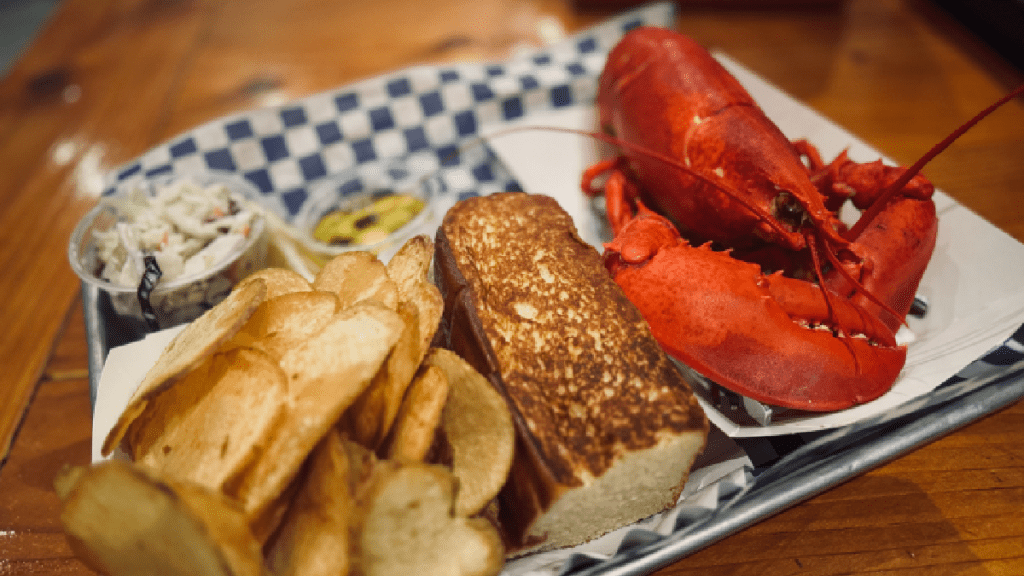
770, 294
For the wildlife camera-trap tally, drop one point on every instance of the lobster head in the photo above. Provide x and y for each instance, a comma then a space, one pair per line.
700, 148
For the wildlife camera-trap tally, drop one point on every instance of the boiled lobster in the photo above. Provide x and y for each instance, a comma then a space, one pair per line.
728, 239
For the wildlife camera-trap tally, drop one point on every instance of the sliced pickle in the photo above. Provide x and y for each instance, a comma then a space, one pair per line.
367, 224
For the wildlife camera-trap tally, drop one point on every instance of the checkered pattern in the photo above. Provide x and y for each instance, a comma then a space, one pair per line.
430, 114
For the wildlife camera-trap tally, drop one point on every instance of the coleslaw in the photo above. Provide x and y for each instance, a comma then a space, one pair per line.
187, 227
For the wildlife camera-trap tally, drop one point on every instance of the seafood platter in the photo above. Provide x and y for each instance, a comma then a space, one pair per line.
892, 355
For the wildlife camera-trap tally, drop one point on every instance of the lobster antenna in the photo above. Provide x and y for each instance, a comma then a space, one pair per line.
916, 167
858, 287
608, 139
816, 261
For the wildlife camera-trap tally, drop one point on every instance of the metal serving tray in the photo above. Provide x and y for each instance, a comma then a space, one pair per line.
283, 150
786, 469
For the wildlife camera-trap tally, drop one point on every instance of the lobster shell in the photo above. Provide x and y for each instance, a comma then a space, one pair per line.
743, 269
663, 91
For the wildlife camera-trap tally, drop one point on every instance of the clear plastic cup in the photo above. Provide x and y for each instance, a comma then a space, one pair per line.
184, 298
359, 188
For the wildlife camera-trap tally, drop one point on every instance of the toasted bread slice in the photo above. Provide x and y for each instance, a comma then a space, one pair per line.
607, 428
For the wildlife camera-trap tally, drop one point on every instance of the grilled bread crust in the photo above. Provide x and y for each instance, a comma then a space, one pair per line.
607, 428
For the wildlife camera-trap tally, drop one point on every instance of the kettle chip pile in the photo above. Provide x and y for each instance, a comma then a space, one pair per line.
303, 428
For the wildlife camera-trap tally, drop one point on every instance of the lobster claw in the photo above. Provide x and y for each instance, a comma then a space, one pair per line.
774, 339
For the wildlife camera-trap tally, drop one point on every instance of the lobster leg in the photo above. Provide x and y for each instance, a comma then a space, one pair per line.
865, 184
898, 235
894, 251
820, 175
893, 246
618, 190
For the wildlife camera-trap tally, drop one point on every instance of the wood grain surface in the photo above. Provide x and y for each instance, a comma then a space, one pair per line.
108, 79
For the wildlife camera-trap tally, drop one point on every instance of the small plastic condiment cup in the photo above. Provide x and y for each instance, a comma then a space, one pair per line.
356, 187
184, 298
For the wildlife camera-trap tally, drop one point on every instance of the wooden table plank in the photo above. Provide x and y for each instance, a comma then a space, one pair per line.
55, 433
70, 111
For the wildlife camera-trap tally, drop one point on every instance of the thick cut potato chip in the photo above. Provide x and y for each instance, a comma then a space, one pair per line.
122, 521
314, 536
362, 464
290, 313
208, 427
269, 519
260, 438
357, 276
282, 281
411, 263
405, 526
282, 322
325, 374
196, 342
410, 270
225, 521
420, 415
371, 416
478, 427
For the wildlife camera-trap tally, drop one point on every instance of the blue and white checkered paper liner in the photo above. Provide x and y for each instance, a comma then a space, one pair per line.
427, 114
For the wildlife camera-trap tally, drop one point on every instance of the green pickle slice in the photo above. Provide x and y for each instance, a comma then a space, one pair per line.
367, 224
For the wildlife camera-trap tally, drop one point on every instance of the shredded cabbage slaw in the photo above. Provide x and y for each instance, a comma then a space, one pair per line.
189, 228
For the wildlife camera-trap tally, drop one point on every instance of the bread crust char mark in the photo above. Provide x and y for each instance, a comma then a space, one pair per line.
529, 304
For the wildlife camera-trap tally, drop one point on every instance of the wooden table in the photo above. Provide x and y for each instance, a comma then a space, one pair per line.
108, 79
